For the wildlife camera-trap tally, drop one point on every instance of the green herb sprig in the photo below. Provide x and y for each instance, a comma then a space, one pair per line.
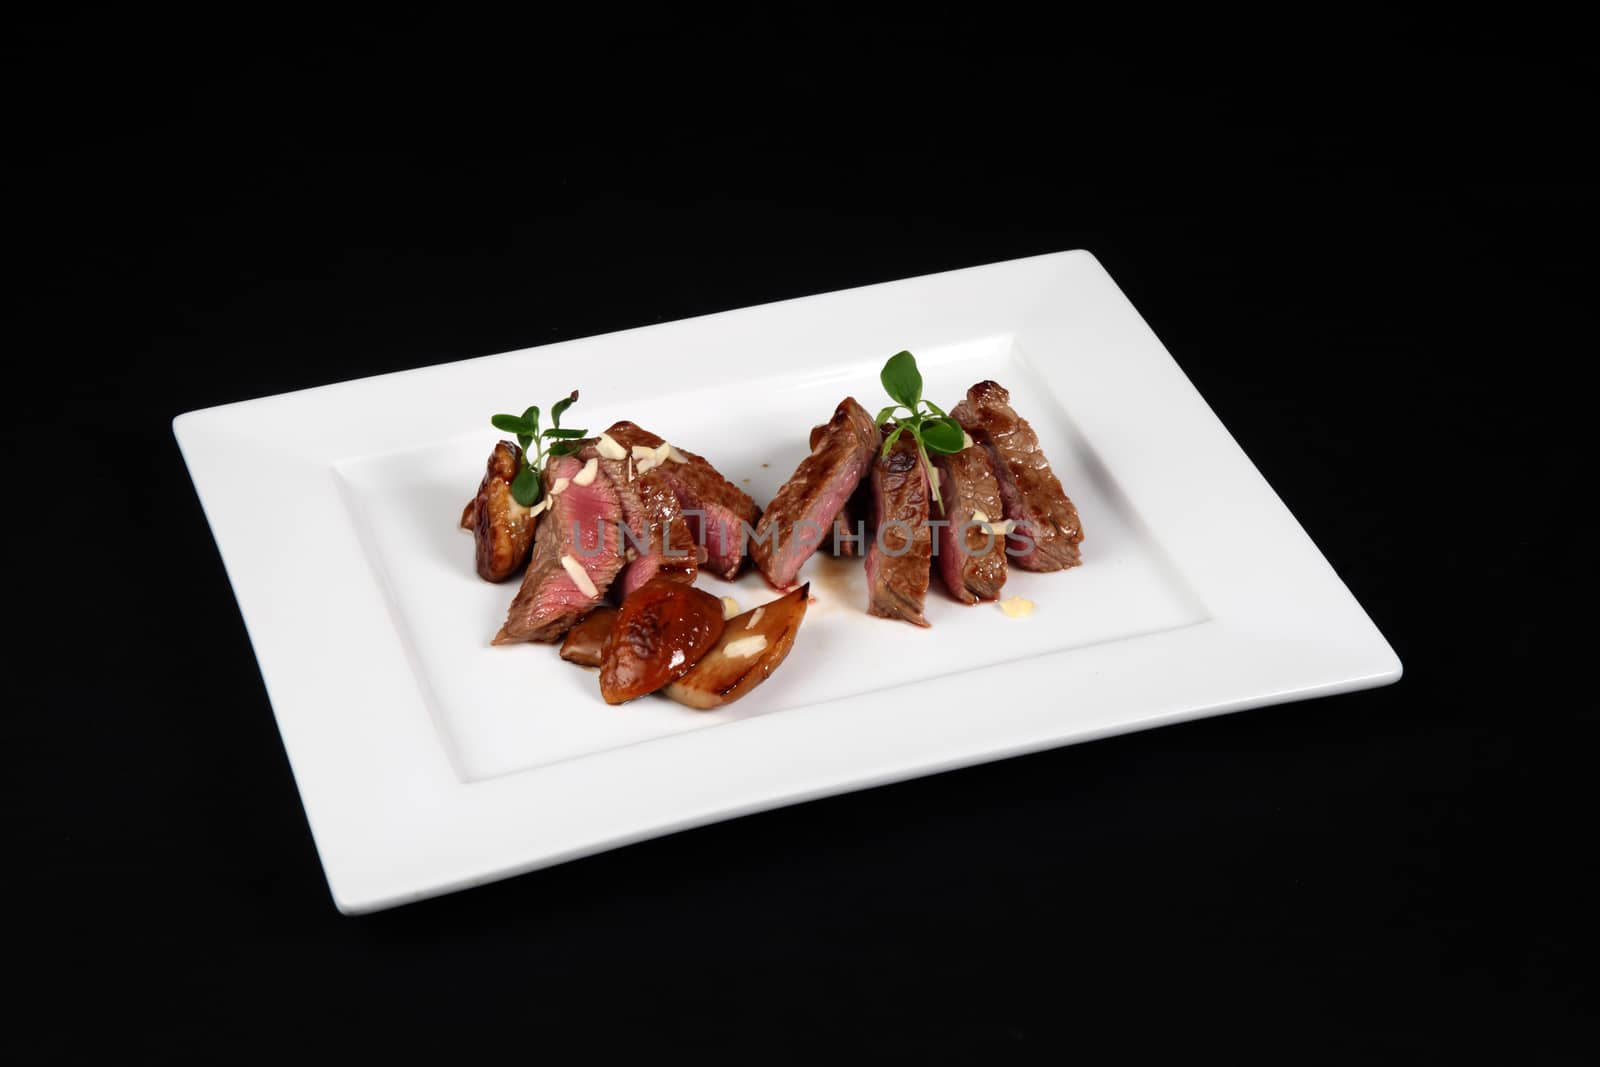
925, 421
527, 487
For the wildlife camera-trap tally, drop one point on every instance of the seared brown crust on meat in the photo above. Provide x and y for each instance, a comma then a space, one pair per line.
801, 515
898, 558
656, 542
502, 528
666, 526
1032, 495
972, 561
714, 507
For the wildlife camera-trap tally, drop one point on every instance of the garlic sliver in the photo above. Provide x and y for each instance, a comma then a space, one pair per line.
609, 448
745, 646
1017, 607
579, 576
586, 476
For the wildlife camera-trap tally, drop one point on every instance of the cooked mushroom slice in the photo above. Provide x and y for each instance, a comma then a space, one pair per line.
662, 629
586, 641
502, 527
752, 646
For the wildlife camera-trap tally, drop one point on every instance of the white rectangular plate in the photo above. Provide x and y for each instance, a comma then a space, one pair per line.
429, 761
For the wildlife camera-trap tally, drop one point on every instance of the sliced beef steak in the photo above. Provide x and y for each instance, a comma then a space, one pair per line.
715, 509
898, 557
853, 525
656, 540
502, 527
800, 517
576, 557
1033, 497
972, 560
668, 545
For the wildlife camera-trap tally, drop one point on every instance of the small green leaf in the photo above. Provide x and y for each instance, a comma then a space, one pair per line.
885, 415
901, 379
561, 406
564, 448
526, 429
943, 435
935, 408
894, 435
526, 487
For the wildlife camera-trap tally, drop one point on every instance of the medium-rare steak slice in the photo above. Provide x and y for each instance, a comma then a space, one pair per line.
1033, 497
576, 557
800, 517
898, 557
972, 559
502, 528
669, 544
853, 525
715, 509
656, 541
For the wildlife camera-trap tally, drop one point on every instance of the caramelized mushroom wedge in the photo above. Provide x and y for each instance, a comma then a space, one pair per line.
586, 642
752, 646
661, 630
502, 527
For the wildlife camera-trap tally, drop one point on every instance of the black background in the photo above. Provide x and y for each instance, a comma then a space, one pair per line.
1364, 242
